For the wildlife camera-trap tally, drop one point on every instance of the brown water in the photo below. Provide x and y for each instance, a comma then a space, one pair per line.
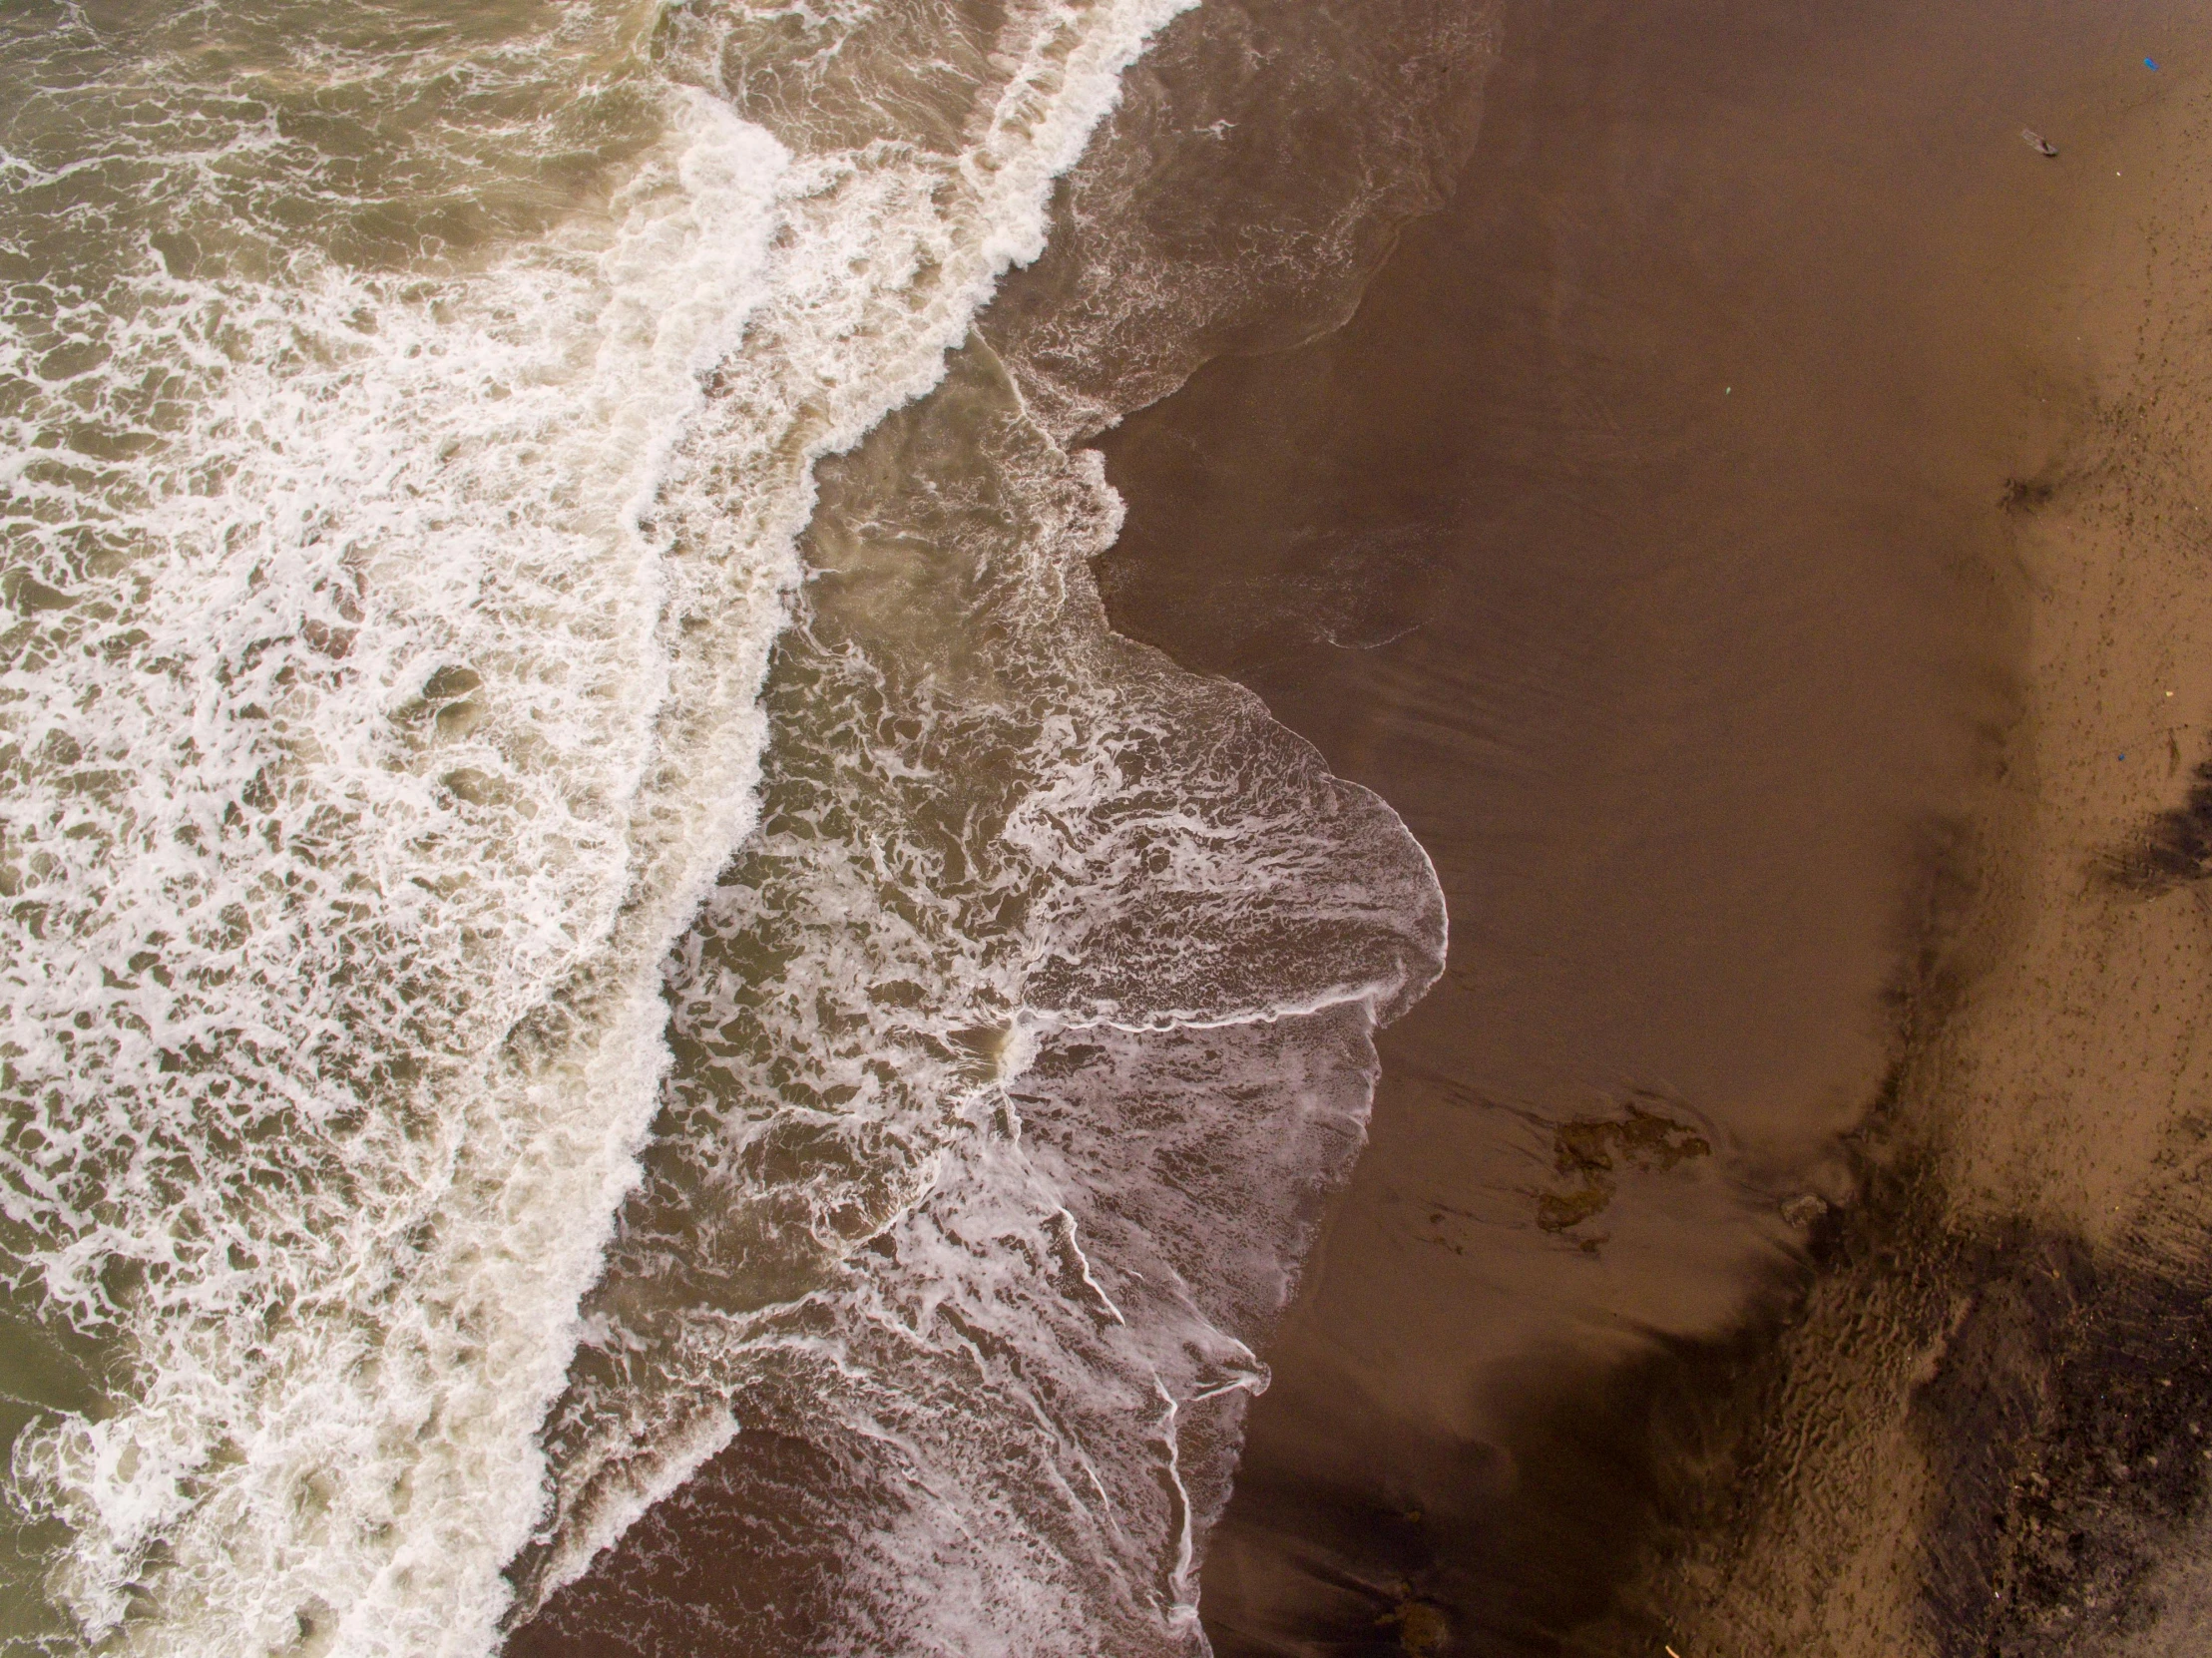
1630, 525
1639, 540
1015, 1050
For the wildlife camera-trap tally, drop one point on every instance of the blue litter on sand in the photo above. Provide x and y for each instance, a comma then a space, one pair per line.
2150, 63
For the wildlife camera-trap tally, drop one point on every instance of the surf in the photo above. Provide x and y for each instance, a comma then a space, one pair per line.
394, 595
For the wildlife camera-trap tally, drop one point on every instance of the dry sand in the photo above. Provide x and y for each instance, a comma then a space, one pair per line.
1989, 1431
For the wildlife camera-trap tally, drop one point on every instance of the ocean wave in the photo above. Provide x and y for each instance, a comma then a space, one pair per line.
1015, 1054
397, 536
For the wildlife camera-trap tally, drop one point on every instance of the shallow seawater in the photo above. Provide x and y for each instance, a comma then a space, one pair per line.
1017, 1050
529, 977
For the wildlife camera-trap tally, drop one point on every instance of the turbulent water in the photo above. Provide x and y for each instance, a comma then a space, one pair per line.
526, 976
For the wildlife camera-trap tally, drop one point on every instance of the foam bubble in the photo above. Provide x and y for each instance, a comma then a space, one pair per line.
382, 702
1019, 1046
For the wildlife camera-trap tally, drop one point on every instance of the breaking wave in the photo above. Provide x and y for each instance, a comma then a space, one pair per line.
408, 418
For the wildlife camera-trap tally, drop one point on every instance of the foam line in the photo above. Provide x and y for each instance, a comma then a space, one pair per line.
382, 708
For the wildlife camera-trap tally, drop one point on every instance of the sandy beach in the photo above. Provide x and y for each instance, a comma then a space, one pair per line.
1987, 1431
1728, 517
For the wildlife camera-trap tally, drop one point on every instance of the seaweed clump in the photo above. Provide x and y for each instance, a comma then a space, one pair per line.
1590, 1152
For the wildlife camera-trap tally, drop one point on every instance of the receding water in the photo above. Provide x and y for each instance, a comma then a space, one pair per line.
528, 982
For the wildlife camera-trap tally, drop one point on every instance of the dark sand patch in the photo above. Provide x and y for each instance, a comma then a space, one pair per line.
1590, 1155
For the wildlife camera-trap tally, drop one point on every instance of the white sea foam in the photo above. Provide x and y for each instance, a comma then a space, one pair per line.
381, 707
1020, 1045
273, 861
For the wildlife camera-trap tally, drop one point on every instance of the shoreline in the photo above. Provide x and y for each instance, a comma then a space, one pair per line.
1698, 836
1014, 1060
1632, 541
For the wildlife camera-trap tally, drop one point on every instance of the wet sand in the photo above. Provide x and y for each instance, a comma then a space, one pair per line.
1668, 537
1987, 1431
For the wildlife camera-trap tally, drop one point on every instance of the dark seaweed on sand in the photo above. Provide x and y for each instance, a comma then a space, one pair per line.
2112, 1402
1587, 1154
2174, 848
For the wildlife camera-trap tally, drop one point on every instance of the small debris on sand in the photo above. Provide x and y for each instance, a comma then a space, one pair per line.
2038, 143
1804, 1210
